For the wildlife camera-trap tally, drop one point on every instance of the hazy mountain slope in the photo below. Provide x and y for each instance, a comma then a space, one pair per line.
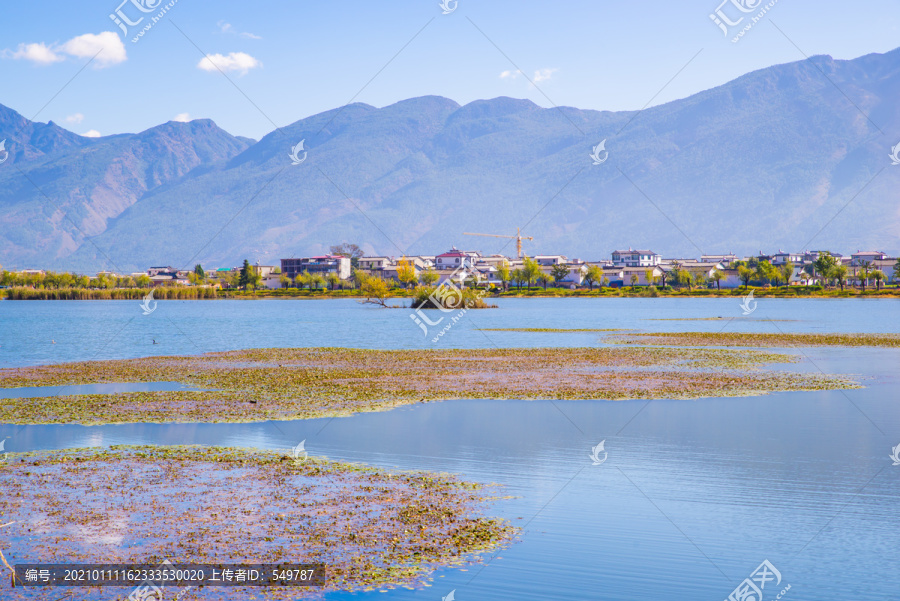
58, 187
764, 162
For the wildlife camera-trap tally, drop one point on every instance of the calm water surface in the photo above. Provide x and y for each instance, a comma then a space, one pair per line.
694, 494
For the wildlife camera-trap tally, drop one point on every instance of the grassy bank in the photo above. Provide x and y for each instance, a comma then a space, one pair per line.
190, 292
161, 293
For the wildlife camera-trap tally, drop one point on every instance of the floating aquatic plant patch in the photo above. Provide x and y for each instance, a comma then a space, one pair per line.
758, 340
208, 505
283, 384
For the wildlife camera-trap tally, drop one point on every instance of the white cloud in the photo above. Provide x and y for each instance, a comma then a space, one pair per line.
92, 134
182, 117
106, 46
76, 118
38, 53
543, 74
539, 75
227, 28
234, 61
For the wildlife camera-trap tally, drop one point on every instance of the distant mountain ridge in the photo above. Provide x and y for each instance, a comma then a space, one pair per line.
781, 157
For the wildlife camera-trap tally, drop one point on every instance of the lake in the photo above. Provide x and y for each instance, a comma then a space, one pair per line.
693, 496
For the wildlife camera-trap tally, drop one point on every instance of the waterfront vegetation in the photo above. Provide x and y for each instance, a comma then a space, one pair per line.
825, 277
374, 529
285, 384
159, 293
442, 297
202, 292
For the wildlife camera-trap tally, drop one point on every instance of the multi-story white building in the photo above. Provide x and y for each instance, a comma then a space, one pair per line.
323, 265
635, 258
863, 257
375, 263
453, 258
783, 258
550, 260
723, 259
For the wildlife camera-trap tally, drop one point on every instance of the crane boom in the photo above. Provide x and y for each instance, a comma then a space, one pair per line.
518, 238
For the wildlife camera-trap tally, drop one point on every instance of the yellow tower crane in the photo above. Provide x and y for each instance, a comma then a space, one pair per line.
519, 237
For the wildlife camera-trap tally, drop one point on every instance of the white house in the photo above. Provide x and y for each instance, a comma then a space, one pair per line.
550, 260
635, 258
723, 259
731, 280
866, 257
451, 259
641, 275
375, 263
783, 258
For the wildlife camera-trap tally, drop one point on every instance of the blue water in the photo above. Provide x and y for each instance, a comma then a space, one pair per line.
694, 494
39, 332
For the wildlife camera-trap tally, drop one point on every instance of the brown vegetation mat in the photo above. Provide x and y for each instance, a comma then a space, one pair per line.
757, 340
266, 384
373, 529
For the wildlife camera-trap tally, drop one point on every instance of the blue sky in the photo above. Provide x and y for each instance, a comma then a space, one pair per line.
287, 60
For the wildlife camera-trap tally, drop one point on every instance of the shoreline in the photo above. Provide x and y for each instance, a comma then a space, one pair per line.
188, 293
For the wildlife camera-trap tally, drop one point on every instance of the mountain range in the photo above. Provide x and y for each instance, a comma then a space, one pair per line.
791, 157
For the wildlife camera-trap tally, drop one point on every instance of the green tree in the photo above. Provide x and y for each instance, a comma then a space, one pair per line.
594, 274
717, 276
517, 276
559, 272
318, 281
254, 278
503, 274
429, 277
544, 279
359, 277
634, 279
683, 278
244, 276
198, 271
897, 271
823, 264
284, 281
839, 273
878, 276
745, 273
530, 270
766, 272
863, 273
787, 272
333, 279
